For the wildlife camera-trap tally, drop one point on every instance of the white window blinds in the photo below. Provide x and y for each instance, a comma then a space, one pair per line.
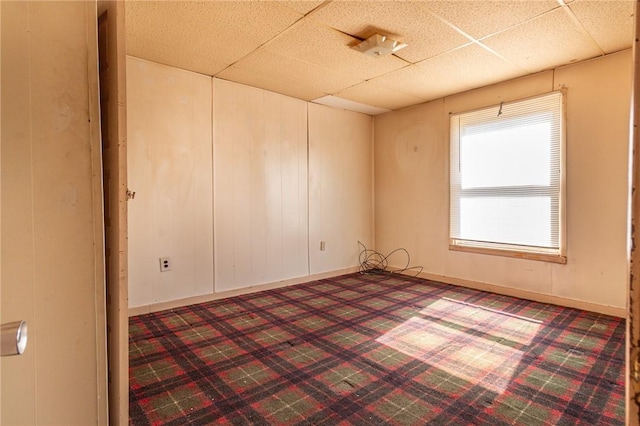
506, 176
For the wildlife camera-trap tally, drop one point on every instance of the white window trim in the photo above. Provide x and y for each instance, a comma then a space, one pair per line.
510, 250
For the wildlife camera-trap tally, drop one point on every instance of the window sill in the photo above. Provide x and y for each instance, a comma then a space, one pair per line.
542, 257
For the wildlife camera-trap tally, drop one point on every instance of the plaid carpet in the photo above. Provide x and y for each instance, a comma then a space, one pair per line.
376, 350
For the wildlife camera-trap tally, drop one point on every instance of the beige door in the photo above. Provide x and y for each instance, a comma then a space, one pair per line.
52, 272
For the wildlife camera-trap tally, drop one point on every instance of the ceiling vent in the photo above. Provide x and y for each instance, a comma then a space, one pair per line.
378, 45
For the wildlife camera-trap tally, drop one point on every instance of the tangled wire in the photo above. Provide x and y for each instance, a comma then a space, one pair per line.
373, 262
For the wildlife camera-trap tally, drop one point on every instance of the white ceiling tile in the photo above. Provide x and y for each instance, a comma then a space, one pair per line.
610, 23
420, 82
321, 45
226, 30
473, 65
270, 65
336, 102
266, 82
302, 6
374, 94
196, 60
482, 18
544, 42
425, 34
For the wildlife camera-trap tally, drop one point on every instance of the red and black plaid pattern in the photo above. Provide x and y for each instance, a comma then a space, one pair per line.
372, 350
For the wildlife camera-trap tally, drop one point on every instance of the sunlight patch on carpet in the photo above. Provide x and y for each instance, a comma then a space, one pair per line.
474, 343
496, 323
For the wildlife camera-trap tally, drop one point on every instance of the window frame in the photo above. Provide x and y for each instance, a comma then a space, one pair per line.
546, 254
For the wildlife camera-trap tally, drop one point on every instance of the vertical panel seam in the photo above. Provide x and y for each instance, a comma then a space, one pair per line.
308, 194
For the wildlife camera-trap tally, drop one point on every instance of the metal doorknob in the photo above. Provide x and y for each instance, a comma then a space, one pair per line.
13, 338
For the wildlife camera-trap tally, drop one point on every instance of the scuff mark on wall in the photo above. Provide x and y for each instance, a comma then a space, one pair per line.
68, 198
62, 116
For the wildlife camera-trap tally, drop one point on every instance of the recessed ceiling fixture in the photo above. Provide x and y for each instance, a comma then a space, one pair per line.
378, 45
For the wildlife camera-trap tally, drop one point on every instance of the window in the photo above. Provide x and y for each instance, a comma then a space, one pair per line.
506, 179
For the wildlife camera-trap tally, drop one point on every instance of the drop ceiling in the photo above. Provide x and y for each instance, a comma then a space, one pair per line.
303, 48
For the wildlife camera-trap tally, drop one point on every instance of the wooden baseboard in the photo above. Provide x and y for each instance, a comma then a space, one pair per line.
161, 306
477, 285
528, 295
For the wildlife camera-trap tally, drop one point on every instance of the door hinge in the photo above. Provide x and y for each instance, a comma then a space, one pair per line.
131, 194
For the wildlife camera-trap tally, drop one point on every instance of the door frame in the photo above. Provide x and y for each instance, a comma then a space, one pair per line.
633, 319
114, 166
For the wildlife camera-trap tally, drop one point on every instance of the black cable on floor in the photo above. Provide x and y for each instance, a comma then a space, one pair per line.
373, 262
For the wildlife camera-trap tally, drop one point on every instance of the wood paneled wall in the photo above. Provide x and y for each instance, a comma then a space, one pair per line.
340, 187
170, 171
260, 157
281, 174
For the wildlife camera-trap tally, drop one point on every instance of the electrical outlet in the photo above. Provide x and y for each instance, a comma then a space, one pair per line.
165, 264
322, 245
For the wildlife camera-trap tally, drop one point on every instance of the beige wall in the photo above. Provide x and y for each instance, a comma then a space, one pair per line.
170, 170
340, 187
412, 193
260, 178
286, 174
52, 271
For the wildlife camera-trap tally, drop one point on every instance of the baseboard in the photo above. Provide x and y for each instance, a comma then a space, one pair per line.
162, 306
477, 285
528, 295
